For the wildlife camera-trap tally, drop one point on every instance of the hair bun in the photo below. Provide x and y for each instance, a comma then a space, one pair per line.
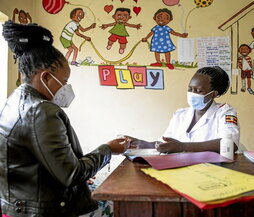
25, 37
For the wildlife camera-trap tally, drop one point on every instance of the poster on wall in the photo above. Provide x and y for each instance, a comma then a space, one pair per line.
214, 51
186, 52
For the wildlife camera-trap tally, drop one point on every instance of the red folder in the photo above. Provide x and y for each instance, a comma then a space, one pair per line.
203, 205
175, 160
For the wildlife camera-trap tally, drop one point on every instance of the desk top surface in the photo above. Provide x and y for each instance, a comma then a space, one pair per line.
128, 183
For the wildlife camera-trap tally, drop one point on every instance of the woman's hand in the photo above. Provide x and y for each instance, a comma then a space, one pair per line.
132, 141
170, 146
119, 145
91, 180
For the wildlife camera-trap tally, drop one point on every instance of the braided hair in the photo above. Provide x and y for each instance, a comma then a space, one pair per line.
32, 46
219, 79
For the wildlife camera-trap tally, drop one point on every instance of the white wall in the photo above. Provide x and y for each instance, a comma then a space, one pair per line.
99, 113
3, 62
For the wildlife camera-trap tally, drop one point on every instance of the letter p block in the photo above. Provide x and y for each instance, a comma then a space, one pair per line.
107, 75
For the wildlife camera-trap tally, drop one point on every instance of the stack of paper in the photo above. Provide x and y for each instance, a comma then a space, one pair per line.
249, 155
208, 185
160, 162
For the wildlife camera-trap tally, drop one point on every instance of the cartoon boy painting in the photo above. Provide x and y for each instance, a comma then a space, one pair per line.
252, 43
74, 27
118, 32
23, 17
161, 41
245, 64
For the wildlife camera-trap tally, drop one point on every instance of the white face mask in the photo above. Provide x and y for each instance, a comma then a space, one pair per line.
196, 101
64, 96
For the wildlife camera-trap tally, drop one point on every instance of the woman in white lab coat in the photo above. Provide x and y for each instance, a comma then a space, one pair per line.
201, 126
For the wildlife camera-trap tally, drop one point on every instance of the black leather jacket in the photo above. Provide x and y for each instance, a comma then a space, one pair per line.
43, 171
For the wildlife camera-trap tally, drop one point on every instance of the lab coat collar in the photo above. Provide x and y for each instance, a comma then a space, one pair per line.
209, 113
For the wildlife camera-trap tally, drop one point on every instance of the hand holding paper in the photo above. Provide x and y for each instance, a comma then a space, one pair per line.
170, 146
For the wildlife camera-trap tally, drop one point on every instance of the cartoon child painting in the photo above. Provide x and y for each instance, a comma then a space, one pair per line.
74, 27
23, 18
245, 64
252, 43
161, 41
119, 32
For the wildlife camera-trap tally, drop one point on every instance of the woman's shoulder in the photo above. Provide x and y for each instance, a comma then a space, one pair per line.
46, 111
224, 107
182, 111
46, 106
33, 102
224, 110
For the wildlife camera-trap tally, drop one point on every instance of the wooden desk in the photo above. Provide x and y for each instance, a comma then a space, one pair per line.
137, 195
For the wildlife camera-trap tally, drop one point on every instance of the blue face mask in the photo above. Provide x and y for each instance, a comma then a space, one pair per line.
196, 101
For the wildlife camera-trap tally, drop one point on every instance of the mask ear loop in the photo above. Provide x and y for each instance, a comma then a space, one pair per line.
208, 95
56, 79
46, 85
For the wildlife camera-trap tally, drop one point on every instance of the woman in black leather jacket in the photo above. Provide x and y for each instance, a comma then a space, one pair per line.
43, 171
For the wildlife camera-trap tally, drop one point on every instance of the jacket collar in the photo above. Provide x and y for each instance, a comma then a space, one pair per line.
26, 88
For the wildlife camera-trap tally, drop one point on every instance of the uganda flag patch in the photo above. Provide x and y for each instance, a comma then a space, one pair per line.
231, 119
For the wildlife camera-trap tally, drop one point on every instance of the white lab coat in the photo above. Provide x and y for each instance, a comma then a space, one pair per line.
212, 125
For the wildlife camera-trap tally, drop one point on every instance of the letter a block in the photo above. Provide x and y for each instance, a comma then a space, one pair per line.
138, 75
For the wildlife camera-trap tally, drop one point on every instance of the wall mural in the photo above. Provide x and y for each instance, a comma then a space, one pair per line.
125, 72
161, 41
119, 32
171, 2
158, 40
252, 34
23, 17
244, 63
74, 27
244, 68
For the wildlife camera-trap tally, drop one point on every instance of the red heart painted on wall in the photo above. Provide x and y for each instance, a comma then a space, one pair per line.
135, 1
136, 10
108, 8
